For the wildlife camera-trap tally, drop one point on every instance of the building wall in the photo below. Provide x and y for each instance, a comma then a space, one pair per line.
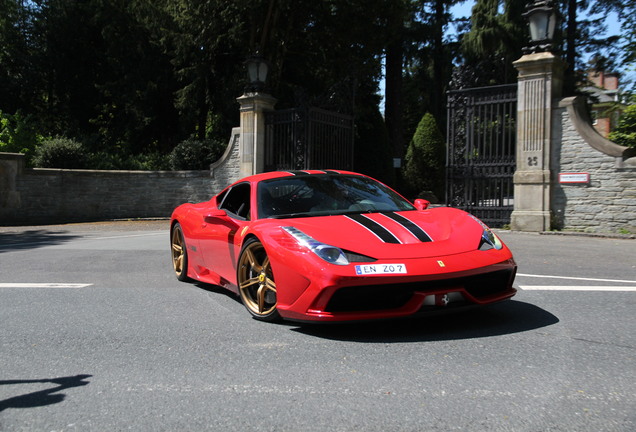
604, 80
603, 126
608, 202
44, 196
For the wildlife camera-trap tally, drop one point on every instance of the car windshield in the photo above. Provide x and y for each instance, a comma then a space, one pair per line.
328, 194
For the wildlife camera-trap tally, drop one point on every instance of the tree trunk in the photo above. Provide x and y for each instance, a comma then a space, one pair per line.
393, 83
569, 81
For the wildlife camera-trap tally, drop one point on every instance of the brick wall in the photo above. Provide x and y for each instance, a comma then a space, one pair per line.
43, 196
608, 202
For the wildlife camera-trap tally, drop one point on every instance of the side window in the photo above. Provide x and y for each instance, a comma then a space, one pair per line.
221, 197
237, 201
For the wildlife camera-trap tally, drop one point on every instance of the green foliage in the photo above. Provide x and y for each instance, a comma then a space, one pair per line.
625, 133
132, 78
423, 171
193, 154
60, 153
18, 135
494, 41
140, 162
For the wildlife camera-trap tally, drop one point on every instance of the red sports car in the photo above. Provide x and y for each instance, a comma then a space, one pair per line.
337, 246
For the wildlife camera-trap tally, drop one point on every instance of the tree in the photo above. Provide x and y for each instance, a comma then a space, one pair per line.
318, 58
394, 50
13, 54
206, 42
425, 159
584, 26
625, 133
491, 45
495, 40
433, 63
103, 82
429, 53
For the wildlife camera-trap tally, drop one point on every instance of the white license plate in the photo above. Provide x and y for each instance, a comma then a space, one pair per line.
378, 269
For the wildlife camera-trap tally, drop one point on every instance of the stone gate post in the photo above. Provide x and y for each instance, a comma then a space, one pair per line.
253, 107
540, 83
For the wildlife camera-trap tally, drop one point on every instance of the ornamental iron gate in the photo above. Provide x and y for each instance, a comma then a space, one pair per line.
480, 160
309, 138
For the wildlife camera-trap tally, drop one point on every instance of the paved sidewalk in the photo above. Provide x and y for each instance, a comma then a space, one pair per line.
164, 223
118, 225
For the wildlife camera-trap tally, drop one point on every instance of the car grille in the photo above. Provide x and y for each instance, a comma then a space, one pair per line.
393, 296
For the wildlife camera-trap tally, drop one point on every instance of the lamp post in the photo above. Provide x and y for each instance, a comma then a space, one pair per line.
542, 17
257, 69
255, 103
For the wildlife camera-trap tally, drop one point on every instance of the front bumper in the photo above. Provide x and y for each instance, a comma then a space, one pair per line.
459, 281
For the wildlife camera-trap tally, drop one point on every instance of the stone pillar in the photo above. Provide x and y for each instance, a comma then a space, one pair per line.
253, 107
540, 83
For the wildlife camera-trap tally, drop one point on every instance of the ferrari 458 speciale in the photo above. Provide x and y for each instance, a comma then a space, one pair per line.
337, 246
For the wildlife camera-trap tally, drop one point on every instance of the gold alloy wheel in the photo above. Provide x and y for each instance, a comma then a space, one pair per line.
179, 253
256, 282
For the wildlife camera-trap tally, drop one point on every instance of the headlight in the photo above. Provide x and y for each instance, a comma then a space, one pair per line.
488, 238
331, 254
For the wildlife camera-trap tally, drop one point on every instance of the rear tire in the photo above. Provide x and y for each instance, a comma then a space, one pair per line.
179, 253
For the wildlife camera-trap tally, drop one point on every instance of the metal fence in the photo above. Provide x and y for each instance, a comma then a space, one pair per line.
309, 138
481, 152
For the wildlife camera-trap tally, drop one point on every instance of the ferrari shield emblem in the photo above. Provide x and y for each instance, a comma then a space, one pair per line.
441, 263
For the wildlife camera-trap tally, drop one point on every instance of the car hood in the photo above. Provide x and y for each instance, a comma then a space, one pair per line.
409, 234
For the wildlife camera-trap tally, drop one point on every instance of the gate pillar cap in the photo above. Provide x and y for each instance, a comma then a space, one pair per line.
254, 98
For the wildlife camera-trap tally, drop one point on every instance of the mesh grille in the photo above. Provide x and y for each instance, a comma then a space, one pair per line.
393, 296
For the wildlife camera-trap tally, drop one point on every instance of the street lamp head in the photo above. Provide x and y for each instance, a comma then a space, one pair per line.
257, 68
542, 18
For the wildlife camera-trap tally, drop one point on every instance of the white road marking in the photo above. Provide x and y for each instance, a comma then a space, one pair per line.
576, 288
577, 278
125, 236
44, 285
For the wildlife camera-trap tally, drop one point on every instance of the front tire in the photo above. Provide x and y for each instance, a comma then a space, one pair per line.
256, 282
179, 253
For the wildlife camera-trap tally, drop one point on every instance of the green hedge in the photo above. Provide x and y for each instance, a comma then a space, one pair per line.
60, 153
194, 154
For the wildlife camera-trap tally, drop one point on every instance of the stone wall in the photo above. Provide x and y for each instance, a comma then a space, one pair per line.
607, 203
44, 196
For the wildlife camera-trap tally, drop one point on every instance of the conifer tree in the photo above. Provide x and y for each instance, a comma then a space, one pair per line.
425, 160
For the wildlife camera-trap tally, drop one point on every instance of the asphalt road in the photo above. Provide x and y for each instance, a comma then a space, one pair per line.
131, 348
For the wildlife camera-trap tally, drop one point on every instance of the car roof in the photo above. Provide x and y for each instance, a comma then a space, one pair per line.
278, 174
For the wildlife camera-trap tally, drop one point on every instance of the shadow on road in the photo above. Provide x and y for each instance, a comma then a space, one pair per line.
25, 240
496, 320
43, 397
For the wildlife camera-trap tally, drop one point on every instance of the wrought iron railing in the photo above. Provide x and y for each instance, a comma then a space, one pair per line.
309, 138
481, 151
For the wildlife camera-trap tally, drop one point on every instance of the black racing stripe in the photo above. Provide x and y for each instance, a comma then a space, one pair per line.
377, 229
296, 172
418, 232
331, 172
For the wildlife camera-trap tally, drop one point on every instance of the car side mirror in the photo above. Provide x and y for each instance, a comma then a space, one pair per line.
421, 204
214, 214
